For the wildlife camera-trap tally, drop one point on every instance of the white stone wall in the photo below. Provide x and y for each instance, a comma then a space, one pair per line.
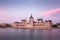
44, 25
58, 26
14, 25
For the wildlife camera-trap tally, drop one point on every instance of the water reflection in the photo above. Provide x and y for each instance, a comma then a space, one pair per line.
28, 34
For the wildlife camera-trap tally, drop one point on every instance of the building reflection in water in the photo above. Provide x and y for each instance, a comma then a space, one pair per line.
28, 34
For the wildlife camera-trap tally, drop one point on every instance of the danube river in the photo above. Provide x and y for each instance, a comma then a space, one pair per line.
28, 34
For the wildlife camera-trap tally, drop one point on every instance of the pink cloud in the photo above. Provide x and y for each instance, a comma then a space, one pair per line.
2, 12
4, 17
50, 15
51, 12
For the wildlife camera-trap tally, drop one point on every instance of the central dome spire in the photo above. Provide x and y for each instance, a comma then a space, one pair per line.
31, 17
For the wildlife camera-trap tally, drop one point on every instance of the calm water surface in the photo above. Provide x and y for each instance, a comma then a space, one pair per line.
27, 34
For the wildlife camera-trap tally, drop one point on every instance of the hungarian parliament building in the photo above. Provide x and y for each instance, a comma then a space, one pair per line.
31, 24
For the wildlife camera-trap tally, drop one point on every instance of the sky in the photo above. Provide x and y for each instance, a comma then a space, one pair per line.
15, 10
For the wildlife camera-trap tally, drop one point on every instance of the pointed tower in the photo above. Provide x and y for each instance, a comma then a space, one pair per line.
31, 19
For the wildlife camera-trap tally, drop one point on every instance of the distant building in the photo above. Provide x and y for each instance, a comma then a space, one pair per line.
58, 25
39, 24
4, 25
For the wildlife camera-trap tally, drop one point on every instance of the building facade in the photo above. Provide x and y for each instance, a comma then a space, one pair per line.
39, 24
58, 25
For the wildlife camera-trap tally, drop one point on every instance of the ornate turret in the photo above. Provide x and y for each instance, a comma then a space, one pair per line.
31, 18
23, 21
48, 21
40, 20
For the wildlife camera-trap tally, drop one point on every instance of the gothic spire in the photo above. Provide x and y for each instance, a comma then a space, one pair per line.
31, 17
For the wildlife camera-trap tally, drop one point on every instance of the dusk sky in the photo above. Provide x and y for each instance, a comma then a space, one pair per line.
15, 10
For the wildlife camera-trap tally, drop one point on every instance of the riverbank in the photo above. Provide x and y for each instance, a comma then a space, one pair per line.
30, 28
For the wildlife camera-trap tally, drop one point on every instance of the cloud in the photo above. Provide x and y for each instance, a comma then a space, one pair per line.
51, 12
53, 15
2, 12
4, 18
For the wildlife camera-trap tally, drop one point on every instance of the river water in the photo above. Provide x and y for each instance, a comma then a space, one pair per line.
28, 34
